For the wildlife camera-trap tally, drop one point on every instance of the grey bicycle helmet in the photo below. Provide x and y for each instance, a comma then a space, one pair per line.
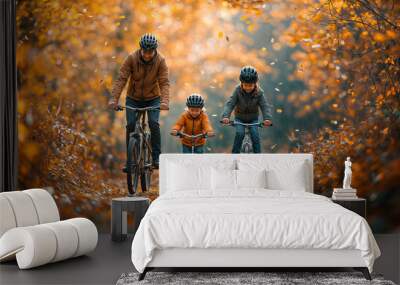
148, 42
248, 74
195, 101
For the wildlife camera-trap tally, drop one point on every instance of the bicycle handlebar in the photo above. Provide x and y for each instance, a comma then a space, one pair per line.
120, 108
182, 134
233, 123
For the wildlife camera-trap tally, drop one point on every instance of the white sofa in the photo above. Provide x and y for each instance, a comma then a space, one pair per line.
31, 230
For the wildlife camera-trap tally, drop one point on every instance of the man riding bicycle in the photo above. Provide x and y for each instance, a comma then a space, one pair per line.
247, 99
148, 86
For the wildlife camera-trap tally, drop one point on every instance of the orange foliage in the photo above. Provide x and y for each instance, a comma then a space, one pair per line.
346, 52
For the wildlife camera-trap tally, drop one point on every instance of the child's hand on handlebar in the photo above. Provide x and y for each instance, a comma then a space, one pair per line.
267, 123
225, 121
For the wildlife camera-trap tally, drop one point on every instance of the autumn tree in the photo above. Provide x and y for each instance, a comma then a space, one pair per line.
331, 68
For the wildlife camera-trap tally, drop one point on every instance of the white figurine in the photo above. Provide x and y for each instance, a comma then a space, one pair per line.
347, 174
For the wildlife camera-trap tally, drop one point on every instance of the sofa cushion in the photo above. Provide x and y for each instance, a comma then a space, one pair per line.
7, 220
23, 208
45, 205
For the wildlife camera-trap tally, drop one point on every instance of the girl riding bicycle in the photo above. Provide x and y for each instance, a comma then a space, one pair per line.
247, 99
193, 126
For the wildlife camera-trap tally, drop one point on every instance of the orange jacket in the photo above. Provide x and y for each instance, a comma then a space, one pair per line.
193, 126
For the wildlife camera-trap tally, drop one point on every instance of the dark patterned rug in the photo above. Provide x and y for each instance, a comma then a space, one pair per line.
242, 278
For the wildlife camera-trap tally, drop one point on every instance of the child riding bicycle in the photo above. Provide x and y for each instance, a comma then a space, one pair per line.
193, 126
246, 100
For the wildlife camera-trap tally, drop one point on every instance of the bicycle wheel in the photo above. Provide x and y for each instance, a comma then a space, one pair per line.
133, 167
145, 176
247, 147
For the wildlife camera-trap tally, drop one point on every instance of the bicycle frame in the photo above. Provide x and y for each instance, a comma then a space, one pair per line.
139, 162
140, 127
141, 131
192, 137
246, 144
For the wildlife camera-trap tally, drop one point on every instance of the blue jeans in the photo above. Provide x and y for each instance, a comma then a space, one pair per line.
153, 117
254, 136
188, 149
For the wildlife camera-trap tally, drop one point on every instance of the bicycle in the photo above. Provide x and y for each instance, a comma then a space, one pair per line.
247, 146
139, 164
192, 137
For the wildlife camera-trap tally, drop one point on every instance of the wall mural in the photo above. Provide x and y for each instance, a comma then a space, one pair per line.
330, 69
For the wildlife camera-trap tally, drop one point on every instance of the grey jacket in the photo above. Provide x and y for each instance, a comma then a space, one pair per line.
247, 105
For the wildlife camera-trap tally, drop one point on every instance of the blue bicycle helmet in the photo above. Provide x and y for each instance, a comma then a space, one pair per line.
195, 101
148, 42
248, 74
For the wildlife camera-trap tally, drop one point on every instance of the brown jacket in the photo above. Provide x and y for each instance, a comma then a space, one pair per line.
146, 80
193, 126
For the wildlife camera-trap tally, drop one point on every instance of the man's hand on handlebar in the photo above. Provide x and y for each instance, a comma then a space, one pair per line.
174, 133
164, 106
112, 103
210, 134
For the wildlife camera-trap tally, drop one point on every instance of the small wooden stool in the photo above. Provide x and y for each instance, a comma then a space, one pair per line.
119, 213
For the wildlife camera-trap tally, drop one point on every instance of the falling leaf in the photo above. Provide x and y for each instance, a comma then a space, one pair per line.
251, 27
379, 37
277, 89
